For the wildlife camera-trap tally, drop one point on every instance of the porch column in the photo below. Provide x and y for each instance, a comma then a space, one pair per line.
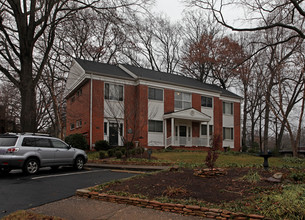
172, 131
208, 134
165, 132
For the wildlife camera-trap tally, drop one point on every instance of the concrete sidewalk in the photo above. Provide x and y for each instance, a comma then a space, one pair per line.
77, 208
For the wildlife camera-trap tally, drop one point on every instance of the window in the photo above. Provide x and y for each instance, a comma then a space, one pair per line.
72, 99
227, 108
204, 129
206, 101
8, 141
183, 100
113, 92
36, 142
72, 126
121, 129
79, 92
105, 128
79, 123
228, 133
155, 126
155, 94
58, 144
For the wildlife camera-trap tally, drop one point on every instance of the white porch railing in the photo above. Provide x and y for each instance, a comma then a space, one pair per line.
187, 141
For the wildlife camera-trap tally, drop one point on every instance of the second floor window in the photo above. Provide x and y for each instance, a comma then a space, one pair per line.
113, 92
183, 100
155, 94
206, 101
227, 108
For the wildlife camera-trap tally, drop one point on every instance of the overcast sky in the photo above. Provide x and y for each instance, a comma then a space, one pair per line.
172, 8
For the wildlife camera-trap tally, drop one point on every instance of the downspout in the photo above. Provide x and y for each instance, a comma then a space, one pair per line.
90, 144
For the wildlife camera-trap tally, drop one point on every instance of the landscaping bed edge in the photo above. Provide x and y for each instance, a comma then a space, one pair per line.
169, 207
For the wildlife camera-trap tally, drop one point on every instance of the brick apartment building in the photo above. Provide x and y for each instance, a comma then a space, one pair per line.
123, 103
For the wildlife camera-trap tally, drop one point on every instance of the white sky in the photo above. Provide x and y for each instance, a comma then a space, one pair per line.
172, 8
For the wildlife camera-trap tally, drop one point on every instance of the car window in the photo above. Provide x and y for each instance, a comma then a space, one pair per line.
43, 142
8, 141
58, 144
29, 142
36, 142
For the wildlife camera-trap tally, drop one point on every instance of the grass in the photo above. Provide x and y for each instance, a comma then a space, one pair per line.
228, 159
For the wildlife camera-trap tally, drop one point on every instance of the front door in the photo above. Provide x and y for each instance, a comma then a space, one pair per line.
182, 135
113, 134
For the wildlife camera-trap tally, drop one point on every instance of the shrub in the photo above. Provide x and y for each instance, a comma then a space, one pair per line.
252, 177
102, 155
298, 176
110, 152
212, 156
102, 145
118, 154
286, 204
77, 141
138, 150
132, 151
122, 149
128, 145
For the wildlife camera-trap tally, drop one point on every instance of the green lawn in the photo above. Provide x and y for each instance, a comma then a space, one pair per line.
228, 159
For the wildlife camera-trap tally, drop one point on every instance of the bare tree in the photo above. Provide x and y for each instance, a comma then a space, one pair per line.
258, 15
157, 44
23, 24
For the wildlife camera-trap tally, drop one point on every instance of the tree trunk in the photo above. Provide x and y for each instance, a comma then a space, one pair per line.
28, 97
244, 131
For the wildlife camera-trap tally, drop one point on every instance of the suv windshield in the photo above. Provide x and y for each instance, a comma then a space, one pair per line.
8, 141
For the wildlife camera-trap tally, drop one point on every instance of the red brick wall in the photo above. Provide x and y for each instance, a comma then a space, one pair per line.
218, 117
97, 110
169, 106
79, 109
236, 126
142, 114
168, 127
195, 129
169, 100
196, 101
130, 112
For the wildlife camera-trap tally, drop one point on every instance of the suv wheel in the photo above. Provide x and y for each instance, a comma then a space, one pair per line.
79, 163
31, 166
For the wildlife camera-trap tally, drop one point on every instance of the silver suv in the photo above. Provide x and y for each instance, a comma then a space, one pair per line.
32, 151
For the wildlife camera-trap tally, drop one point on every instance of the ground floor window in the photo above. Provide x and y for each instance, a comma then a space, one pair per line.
204, 129
155, 126
228, 133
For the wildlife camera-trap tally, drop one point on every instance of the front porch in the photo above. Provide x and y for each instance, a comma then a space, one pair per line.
188, 142
183, 128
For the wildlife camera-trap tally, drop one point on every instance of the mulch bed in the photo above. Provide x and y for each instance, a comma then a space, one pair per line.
183, 184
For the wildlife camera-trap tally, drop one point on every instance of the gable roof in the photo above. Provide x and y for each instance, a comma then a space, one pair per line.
143, 73
102, 69
129, 72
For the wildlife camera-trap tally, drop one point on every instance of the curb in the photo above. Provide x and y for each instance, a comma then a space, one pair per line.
128, 167
169, 207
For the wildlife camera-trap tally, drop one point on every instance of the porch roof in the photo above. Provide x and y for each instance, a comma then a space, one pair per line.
188, 114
